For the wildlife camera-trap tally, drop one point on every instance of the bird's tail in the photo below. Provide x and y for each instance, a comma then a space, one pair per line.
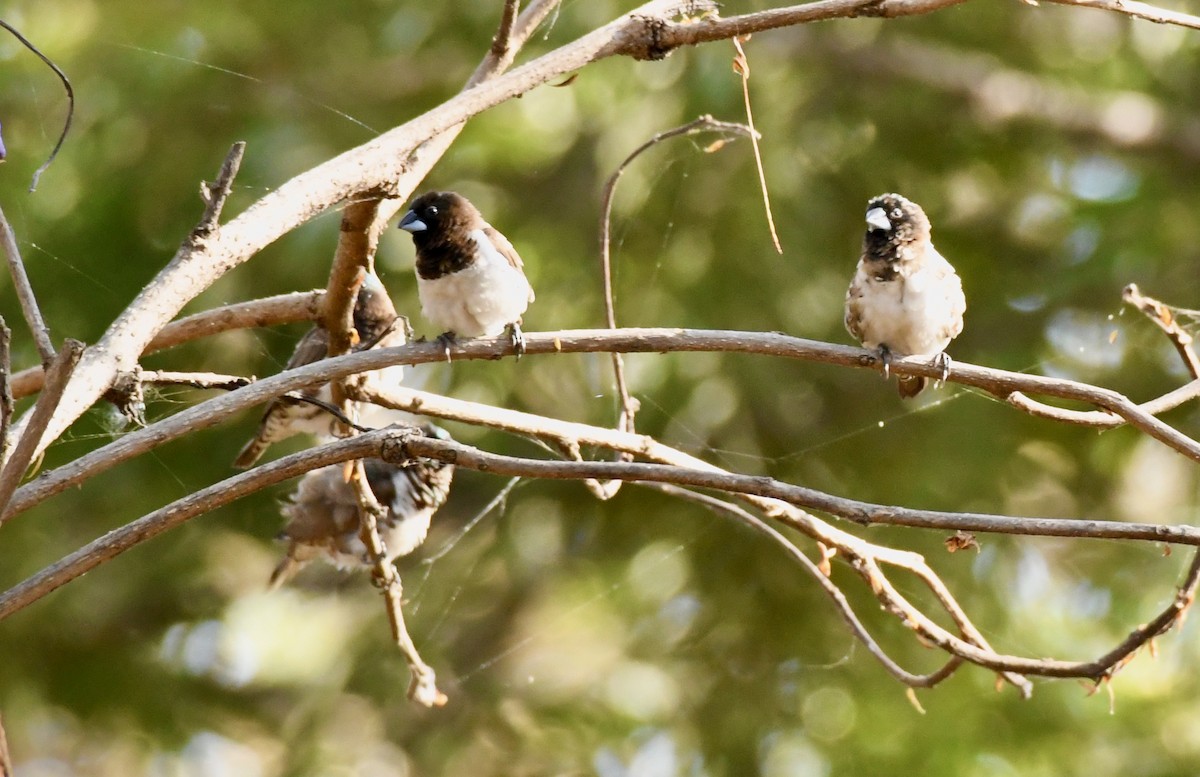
251, 453
911, 385
288, 566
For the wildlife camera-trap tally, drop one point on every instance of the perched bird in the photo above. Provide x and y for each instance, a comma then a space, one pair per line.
323, 518
905, 299
470, 280
377, 325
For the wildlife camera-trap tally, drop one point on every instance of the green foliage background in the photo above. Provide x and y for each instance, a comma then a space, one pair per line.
1055, 150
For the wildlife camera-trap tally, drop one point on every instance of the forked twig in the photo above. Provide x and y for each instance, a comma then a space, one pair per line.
422, 686
216, 193
6, 397
1162, 317
629, 405
57, 377
29, 304
844, 608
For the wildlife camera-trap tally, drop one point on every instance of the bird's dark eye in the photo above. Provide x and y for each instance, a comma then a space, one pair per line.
432, 210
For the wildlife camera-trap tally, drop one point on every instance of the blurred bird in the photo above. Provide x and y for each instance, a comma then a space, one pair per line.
470, 279
905, 299
323, 518
377, 325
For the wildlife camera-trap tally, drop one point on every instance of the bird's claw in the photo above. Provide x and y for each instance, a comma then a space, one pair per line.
446, 339
518, 339
885, 360
942, 361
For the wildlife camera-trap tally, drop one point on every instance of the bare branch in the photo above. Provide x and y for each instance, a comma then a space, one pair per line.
422, 686
200, 380
29, 305
629, 405
500, 43
704, 123
57, 378
217, 192
863, 513
206, 500
280, 309
1138, 10
213, 411
1162, 317
355, 256
6, 397
832, 591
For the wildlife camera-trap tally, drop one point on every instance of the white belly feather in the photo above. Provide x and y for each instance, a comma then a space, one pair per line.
913, 315
480, 300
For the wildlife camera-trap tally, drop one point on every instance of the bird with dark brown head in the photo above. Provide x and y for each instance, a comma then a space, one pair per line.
905, 299
470, 279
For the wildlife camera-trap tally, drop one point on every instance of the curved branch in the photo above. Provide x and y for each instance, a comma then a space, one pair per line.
268, 311
206, 500
844, 608
215, 410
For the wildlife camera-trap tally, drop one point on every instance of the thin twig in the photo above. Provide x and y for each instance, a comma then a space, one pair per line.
200, 380
422, 686
629, 405
704, 123
216, 193
66, 82
269, 311
1138, 10
1162, 317
29, 305
6, 397
6, 764
203, 501
843, 606
57, 377
509, 18
741, 65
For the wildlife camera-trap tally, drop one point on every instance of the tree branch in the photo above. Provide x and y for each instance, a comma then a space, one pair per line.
57, 377
29, 305
216, 409
1138, 10
269, 311
216, 193
422, 686
206, 500
840, 602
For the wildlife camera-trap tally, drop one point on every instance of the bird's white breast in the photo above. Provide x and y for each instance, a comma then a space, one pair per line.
481, 299
916, 313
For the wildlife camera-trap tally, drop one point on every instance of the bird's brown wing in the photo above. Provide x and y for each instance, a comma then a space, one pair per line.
853, 318
313, 347
503, 245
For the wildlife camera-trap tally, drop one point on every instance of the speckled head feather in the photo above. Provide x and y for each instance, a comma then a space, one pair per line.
894, 224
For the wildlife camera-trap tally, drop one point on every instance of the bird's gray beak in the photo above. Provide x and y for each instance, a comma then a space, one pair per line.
876, 219
410, 223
